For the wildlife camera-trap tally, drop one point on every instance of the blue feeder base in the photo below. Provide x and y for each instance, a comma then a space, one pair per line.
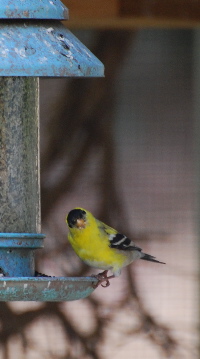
18, 281
17, 252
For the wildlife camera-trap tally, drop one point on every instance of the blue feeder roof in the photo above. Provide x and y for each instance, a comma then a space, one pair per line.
33, 9
44, 48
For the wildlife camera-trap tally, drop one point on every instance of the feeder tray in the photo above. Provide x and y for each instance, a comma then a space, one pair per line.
45, 289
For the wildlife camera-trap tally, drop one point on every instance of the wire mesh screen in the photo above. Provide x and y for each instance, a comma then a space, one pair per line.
123, 148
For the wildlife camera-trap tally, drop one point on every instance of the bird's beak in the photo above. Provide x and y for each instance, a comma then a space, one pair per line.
80, 223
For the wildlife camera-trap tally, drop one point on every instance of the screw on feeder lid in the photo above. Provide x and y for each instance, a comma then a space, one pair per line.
33, 9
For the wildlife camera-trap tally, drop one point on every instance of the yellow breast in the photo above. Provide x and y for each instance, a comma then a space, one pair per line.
92, 246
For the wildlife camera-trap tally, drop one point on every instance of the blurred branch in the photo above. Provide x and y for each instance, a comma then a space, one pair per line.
157, 332
88, 113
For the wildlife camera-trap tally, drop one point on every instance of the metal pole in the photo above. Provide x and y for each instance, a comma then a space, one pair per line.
19, 155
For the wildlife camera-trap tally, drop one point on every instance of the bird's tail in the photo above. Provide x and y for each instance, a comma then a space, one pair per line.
148, 257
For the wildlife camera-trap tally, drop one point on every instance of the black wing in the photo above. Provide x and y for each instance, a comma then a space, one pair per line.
117, 240
120, 241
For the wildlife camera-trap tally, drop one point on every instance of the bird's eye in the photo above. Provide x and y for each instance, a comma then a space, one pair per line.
83, 213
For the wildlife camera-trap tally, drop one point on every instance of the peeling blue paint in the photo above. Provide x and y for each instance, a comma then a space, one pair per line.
44, 49
31, 9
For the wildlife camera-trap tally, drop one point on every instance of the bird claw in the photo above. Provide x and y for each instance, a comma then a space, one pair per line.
102, 277
106, 285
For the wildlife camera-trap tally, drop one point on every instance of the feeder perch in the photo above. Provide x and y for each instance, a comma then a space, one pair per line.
33, 43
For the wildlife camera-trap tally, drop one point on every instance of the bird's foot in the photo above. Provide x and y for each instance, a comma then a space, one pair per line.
102, 277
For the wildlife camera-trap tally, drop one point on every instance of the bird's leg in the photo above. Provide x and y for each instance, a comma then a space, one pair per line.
102, 277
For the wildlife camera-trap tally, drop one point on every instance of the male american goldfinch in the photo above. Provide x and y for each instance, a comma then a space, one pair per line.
101, 246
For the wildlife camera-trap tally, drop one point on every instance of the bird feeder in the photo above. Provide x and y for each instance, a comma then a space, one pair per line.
33, 43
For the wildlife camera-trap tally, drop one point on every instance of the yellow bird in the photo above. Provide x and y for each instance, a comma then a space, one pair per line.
101, 246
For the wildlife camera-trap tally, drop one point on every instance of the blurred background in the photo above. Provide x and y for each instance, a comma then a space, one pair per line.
126, 148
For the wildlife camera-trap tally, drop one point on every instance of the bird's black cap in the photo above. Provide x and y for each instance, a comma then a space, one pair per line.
75, 214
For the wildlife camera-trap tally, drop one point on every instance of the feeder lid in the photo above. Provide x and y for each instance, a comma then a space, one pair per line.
33, 9
44, 48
